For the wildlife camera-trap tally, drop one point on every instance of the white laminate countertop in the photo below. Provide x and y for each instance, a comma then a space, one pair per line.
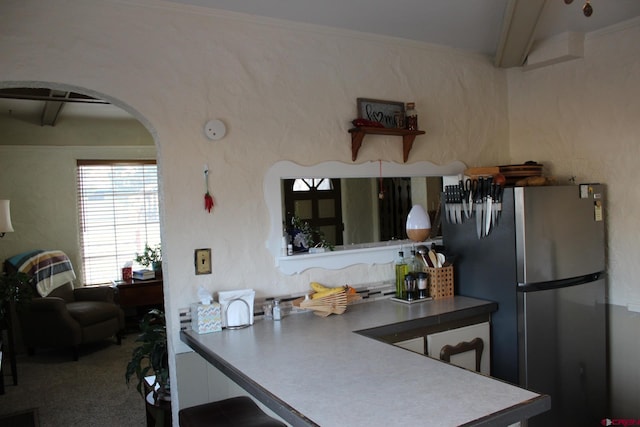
318, 371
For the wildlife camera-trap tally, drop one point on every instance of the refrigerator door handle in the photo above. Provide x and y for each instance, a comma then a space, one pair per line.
564, 283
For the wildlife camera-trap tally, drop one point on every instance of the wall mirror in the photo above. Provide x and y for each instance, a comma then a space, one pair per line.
364, 239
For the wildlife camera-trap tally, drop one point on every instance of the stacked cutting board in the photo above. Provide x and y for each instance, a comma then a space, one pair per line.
529, 173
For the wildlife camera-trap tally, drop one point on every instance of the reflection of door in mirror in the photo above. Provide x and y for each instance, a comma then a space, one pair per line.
426, 191
394, 207
318, 202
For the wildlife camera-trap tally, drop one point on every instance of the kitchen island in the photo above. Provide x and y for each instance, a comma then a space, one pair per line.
335, 371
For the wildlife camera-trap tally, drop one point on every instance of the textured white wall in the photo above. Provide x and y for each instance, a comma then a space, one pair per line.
580, 118
285, 91
22, 128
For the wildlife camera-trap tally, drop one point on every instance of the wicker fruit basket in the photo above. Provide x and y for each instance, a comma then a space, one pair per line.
331, 304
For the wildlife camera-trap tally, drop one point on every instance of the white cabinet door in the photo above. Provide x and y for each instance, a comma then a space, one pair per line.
416, 345
467, 360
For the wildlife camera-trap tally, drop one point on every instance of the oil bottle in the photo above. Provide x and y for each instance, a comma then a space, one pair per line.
402, 269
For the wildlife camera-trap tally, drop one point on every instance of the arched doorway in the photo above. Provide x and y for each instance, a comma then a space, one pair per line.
45, 127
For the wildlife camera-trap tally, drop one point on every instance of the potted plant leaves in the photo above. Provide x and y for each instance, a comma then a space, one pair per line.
151, 357
303, 236
150, 257
14, 289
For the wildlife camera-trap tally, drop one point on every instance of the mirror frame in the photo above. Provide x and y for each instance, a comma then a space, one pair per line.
343, 256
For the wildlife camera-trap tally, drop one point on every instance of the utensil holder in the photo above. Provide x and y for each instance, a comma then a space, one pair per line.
441, 281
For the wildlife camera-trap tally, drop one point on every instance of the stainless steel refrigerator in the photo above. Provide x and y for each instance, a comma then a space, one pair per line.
544, 264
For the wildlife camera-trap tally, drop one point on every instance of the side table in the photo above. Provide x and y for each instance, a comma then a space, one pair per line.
139, 295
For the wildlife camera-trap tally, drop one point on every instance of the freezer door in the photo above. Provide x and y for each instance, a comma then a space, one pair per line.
562, 351
559, 234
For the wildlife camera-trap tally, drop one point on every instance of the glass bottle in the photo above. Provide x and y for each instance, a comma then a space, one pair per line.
401, 270
411, 114
422, 285
277, 314
422, 254
398, 118
415, 265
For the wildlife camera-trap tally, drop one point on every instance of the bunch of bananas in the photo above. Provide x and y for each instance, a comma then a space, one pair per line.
324, 291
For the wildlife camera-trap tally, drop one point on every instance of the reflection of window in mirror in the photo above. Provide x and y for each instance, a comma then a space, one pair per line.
317, 201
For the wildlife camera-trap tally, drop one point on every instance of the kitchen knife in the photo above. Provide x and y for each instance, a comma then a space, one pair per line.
494, 211
483, 195
454, 204
470, 194
498, 209
496, 205
477, 202
457, 203
447, 203
463, 198
488, 214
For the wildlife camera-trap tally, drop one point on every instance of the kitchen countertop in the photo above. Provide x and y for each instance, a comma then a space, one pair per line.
317, 371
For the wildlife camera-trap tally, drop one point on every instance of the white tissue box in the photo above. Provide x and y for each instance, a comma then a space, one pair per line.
205, 318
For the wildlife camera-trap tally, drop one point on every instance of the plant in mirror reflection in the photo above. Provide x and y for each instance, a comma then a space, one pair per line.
305, 236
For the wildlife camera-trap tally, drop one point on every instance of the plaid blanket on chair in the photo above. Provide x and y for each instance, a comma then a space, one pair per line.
49, 269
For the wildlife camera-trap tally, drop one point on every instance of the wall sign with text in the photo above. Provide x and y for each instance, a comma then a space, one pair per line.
380, 111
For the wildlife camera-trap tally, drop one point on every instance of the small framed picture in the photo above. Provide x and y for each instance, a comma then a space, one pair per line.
380, 111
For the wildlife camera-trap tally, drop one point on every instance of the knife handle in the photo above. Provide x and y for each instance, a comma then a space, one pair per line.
479, 190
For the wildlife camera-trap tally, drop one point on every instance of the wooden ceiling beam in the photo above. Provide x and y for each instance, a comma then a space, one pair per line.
518, 30
51, 109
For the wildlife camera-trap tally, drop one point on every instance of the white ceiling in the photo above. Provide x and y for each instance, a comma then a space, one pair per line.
471, 25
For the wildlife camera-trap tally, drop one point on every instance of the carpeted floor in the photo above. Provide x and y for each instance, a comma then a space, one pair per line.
89, 392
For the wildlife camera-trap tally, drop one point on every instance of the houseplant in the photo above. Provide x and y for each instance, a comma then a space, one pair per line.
304, 236
151, 357
14, 289
151, 256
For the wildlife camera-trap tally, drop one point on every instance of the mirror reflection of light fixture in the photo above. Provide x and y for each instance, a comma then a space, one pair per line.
418, 224
5, 218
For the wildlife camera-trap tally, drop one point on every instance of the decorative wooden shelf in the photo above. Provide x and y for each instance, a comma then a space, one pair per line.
357, 135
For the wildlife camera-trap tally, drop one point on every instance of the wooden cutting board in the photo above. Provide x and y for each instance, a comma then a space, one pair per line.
512, 173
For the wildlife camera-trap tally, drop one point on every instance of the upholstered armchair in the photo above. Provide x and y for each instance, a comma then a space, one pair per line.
70, 317
64, 316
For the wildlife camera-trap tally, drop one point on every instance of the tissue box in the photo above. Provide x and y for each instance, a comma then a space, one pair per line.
206, 318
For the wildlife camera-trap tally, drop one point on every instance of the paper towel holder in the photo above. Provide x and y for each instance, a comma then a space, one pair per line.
226, 310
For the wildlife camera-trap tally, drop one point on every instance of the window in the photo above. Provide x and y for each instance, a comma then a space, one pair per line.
118, 210
307, 184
